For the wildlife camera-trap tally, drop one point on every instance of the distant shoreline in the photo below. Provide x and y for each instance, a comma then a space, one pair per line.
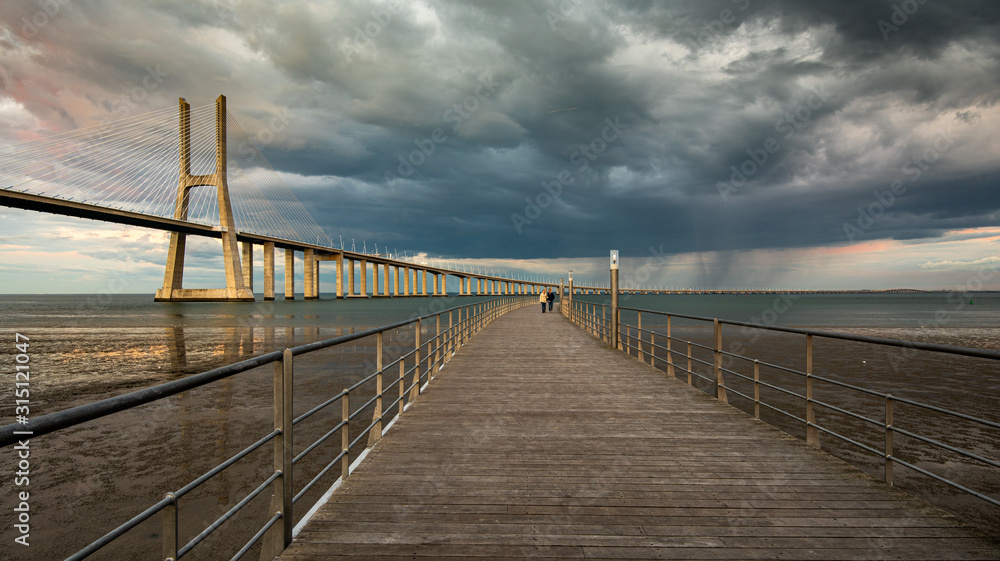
651, 291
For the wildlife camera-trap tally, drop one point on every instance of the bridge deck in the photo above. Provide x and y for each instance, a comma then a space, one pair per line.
537, 441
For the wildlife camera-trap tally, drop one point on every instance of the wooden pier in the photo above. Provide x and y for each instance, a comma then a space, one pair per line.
538, 441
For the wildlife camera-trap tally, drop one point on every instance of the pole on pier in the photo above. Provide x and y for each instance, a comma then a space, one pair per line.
614, 298
570, 295
562, 300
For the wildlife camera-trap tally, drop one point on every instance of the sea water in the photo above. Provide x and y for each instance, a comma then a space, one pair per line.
89, 479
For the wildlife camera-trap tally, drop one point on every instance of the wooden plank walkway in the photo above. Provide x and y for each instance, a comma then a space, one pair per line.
538, 441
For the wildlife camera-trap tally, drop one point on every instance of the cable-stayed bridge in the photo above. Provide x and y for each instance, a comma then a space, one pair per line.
199, 173
158, 170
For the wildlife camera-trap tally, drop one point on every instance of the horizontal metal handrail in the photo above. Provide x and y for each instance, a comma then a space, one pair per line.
361, 409
643, 336
361, 382
66, 418
225, 517
73, 416
958, 451
781, 389
218, 469
121, 530
936, 347
837, 435
256, 537
946, 481
319, 476
739, 393
946, 412
318, 408
471, 319
318, 441
849, 386
783, 412
699, 361
848, 413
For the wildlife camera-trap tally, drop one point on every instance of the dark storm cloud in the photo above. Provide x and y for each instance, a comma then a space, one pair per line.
738, 124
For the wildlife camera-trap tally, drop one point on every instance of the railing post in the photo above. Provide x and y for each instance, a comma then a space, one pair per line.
464, 324
670, 355
280, 535
638, 331
572, 300
437, 344
416, 367
402, 385
690, 381
812, 433
652, 348
345, 435
720, 383
756, 389
887, 473
450, 348
170, 529
375, 434
604, 325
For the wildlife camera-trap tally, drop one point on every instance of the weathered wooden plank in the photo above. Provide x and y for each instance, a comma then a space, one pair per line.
538, 442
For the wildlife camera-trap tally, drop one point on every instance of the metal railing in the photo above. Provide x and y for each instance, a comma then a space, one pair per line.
658, 349
418, 365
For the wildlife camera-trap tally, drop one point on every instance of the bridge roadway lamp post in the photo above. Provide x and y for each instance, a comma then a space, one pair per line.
614, 298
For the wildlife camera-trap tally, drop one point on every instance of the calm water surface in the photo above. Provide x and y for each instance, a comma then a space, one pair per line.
88, 347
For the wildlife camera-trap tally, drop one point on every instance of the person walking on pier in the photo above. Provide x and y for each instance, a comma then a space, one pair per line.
551, 297
543, 298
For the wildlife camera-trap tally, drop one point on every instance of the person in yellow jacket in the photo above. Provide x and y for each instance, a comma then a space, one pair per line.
543, 298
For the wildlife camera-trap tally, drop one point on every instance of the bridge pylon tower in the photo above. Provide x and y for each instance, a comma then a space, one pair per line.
236, 290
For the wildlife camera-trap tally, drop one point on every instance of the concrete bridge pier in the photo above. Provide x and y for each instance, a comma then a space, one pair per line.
289, 274
247, 250
315, 282
340, 274
173, 274
269, 271
350, 278
363, 269
308, 274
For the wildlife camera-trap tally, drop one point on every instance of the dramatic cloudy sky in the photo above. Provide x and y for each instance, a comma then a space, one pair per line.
728, 143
